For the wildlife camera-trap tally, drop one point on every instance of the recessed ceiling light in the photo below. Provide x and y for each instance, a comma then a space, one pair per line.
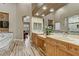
51, 10
44, 7
37, 14
43, 15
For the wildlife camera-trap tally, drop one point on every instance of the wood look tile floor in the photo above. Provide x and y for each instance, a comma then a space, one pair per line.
21, 50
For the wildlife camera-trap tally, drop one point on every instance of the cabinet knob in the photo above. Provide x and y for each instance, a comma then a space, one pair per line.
44, 45
75, 49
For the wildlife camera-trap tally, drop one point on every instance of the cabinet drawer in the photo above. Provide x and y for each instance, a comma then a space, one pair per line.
62, 44
74, 49
50, 50
50, 41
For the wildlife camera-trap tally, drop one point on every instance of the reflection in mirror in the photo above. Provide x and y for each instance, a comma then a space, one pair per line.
57, 26
73, 24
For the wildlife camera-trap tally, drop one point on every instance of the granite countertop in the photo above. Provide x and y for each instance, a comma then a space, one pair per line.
42, 35
39, 33
74, 39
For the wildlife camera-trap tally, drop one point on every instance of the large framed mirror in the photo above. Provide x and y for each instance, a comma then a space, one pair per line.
73, 23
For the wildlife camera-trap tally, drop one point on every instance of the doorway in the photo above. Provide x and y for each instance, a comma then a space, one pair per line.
26, 25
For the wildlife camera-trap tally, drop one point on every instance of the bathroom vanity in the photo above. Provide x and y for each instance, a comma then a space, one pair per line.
61, 46
57, 44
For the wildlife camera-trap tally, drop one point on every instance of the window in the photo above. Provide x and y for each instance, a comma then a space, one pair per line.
73, 23
37, 26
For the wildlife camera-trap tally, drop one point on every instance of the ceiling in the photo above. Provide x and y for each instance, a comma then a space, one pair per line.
24, 9
38, 8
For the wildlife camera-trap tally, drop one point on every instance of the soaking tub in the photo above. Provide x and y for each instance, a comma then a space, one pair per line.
5, 39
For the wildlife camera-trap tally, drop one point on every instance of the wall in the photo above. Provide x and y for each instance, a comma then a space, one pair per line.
11, 9
23, 9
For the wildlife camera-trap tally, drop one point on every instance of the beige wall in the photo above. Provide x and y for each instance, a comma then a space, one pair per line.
23, 9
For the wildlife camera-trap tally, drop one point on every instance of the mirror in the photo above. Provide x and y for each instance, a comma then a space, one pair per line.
73, 23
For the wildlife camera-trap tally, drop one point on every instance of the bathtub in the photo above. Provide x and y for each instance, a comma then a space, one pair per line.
5, 40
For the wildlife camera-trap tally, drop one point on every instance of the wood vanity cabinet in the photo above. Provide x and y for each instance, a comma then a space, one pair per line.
41, 44
74, 49
59, 48
53, 47
38, 42
34, 39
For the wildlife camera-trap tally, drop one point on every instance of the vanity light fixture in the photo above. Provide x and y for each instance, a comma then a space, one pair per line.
51, 10
44, 8
37, 14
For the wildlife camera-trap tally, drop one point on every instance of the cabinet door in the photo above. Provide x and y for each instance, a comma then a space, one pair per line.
40, 42
74, 49
50, 50
34, 39
62, 49
42, 45
61, 52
